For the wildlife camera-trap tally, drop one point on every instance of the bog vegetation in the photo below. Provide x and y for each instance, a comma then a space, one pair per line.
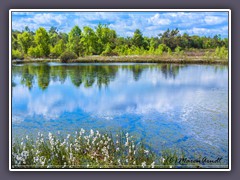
104, 41
92, 149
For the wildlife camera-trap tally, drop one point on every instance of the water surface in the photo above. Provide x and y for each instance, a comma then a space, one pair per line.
169, 106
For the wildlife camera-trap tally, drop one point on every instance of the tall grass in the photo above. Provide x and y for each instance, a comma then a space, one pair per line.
81, 150
219, 53
88, 150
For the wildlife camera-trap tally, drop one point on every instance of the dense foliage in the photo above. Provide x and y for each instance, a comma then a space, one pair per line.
104, 41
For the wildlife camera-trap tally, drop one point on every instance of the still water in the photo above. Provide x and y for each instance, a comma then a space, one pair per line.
182, 107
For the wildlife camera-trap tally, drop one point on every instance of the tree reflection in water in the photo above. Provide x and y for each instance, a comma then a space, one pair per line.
87, 74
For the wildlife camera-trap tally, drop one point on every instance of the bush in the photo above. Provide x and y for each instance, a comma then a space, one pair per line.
169, 51
16, 54
67, 56
178, 49
221, 53
161, 48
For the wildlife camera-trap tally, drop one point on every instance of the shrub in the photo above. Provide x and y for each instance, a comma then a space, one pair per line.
178, 49
221, 53
161, 48
169, 51
16, 54
67, 55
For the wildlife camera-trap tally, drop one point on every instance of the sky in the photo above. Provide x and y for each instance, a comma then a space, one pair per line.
125, 23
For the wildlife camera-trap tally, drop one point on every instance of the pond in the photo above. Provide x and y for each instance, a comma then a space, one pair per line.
169, 106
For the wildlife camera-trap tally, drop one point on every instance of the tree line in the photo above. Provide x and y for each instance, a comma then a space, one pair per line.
103, 40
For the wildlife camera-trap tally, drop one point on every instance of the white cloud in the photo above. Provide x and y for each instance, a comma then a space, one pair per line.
156, 19
97, 16
34, 21
20, 25
47, 18
205, 31
125, 23
213, 20
21, 93
17, 119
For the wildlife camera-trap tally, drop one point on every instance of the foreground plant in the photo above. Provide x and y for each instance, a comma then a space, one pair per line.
85, 150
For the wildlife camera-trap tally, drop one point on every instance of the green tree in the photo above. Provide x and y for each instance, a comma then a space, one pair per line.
105, 36
225, 42
170, 38
26, 29
217, 40
152, 46
184, 41
35, 52
137, 39
25, 41
108, 50
58, 49
74, 37
43, 41
196, 42
15, 43
53, 35
16, 54
207, 43
88, 41
64, 37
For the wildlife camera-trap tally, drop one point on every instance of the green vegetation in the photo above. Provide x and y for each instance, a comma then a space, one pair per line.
221, 53
67, 56
16, 54
91, 149
104, 41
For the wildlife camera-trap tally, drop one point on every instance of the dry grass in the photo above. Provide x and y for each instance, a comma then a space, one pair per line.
185, 58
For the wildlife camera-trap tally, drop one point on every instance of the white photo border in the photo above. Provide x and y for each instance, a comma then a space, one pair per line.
121, 10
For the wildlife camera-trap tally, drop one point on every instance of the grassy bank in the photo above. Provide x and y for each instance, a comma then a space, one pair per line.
87, 150
183, 58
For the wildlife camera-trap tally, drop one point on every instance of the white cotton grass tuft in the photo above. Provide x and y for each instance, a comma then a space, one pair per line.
93, 147
146, 152
144, 164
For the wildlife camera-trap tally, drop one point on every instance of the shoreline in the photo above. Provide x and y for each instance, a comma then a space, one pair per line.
132, 59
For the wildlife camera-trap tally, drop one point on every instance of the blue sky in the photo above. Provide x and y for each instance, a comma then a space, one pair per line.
125, 23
